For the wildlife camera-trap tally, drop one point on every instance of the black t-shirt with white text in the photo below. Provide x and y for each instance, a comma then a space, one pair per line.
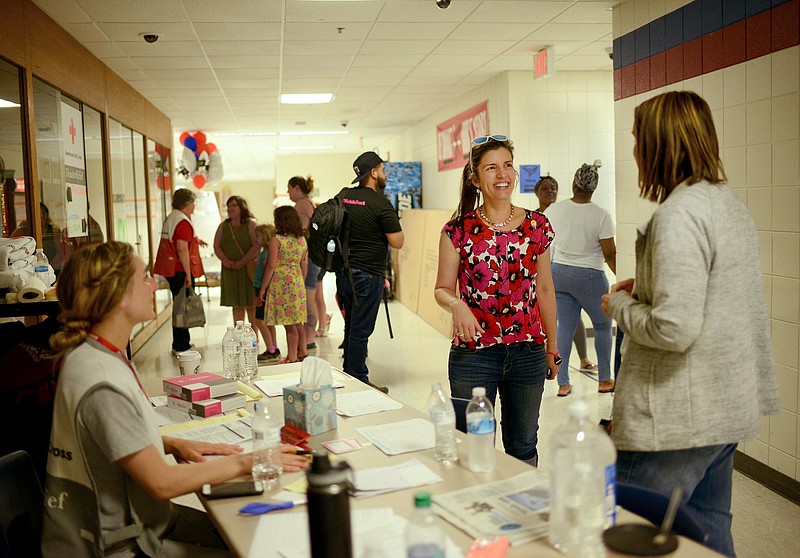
371, 217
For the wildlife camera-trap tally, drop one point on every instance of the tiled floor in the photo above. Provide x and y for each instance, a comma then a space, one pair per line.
764, 524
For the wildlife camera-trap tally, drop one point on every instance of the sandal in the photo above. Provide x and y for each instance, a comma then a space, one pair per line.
606, 387
589, 368
287, 361
564, 390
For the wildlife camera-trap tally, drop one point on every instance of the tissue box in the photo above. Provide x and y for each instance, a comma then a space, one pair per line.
310, 409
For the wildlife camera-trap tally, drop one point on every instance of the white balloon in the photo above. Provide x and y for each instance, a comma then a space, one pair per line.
188, 160
215, 171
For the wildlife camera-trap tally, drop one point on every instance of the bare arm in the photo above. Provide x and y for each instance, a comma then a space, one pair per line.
396, 239
163, 481
445, 291
609, 248
272, 260
546, 296
304, 264
254, 247
226, 261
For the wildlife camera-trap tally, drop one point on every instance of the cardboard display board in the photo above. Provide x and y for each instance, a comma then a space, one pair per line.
408, 260
427, 309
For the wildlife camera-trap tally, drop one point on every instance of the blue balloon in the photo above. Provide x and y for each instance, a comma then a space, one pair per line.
191, 143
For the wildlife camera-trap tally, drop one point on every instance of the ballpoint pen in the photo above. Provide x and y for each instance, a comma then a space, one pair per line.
257, 508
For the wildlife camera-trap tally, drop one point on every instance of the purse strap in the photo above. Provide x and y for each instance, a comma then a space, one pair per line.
233, 234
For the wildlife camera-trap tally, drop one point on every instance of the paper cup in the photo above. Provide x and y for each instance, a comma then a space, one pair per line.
189, 361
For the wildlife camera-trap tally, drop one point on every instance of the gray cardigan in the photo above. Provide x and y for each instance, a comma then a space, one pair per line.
697, 364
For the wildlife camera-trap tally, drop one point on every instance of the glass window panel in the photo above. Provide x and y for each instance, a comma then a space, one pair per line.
13, 201
158, 165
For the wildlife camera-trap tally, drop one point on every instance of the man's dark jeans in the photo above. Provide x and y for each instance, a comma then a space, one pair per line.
359, 319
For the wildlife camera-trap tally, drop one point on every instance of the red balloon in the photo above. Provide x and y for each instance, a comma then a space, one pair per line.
210, 148
200, 137
184, 136
199, 181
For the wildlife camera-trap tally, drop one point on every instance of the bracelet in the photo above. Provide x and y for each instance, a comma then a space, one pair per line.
450, 306
556, 357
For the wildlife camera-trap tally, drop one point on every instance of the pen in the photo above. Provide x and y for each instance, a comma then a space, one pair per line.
257, 508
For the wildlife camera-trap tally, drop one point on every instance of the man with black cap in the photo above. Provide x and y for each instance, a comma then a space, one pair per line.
373, 225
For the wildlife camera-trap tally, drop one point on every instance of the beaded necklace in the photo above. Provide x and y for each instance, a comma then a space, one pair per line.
495, 225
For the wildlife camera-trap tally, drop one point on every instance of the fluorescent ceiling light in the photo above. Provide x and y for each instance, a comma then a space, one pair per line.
306, 148
237, 134
317, 133
306, 98
7, 104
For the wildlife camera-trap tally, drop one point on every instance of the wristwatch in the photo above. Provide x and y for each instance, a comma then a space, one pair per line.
556, 357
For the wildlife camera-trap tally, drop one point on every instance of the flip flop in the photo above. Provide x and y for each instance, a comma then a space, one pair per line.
590, 368
607, 389
559, 394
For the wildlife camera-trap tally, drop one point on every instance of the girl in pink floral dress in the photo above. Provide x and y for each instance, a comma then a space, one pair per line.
494, 277
282, 284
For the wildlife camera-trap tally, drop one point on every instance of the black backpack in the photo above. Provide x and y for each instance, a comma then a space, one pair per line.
329, 235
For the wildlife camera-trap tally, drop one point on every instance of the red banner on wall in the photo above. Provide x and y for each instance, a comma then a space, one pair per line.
453, 136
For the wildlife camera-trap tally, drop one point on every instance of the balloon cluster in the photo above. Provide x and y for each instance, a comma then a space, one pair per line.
200, 161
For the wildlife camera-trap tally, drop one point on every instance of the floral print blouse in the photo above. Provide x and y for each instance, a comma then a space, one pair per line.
497, 277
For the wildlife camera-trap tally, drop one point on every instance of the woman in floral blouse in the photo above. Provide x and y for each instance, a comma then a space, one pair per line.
494, 277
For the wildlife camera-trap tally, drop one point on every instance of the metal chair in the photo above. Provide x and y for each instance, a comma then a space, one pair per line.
21, 507
652, 506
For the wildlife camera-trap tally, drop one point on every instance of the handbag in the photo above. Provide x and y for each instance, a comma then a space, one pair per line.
249, 266
187, 310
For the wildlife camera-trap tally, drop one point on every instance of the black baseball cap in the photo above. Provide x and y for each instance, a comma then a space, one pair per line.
364, 164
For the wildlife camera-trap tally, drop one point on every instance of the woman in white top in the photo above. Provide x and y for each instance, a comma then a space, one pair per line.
584, 240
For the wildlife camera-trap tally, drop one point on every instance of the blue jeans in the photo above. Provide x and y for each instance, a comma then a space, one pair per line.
517, 372
359, 319
581, 288
706, 476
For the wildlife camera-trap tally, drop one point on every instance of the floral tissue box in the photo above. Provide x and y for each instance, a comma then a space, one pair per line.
310, 409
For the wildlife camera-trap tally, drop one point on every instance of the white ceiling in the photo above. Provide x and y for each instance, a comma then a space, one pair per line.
221, 65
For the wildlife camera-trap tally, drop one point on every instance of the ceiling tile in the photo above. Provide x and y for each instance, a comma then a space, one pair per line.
587, 12
226, 11
86, 32
341, 47
179, 73
377, 46
163, 49
331, 11
105, 50
493, 31
328, 31
411, 31
259, 31
245, 62
465, 48
518, 10
331, 61
161, 63
455, 60
557, 31
387, 60
63, 11
167, 32
140, 10
242, 48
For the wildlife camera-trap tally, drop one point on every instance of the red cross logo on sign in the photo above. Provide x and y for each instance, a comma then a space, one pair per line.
72, 130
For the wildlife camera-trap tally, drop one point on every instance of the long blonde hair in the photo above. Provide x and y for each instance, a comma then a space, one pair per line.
267, 231
675, 142
92, 283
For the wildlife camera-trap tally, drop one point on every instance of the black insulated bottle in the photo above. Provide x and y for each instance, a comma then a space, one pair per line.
329, 508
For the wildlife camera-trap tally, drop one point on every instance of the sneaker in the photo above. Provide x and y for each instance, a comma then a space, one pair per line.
175, 352
311, 346
379, 388
266, 356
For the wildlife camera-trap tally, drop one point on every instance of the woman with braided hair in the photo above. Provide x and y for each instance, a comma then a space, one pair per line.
108, 487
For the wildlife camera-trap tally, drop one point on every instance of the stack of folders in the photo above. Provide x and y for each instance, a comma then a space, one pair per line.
204, 394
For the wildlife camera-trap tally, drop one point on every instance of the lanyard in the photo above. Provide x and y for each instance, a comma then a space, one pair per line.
110, 346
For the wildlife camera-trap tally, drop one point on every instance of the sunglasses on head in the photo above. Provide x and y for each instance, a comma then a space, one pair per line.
480, 141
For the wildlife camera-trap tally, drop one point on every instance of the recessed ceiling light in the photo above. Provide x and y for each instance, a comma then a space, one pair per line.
317, 133
306, 98
306, 148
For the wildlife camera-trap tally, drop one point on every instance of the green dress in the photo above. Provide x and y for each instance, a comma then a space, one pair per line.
237, 287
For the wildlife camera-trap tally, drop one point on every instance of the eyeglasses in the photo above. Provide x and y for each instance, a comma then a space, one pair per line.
480, 141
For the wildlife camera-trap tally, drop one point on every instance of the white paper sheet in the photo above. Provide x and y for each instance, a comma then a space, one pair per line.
378, 480
274, 387
400, 437
365, 402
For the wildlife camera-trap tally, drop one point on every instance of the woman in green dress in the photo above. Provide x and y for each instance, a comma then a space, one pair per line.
235, 245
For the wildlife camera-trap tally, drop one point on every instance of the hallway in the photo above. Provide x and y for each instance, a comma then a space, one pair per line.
765, 525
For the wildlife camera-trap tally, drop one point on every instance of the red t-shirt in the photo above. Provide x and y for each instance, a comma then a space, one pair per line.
183, 231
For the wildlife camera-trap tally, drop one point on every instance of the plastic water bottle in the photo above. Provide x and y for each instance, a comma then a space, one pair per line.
266, 445
480, 432
42, 267
329, 508
582, 483
424, 534
443, 417
249, 353
230, 355
237, 336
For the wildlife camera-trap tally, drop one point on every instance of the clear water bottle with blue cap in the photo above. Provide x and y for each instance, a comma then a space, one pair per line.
480, 432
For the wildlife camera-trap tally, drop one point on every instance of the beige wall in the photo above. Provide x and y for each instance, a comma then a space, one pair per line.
756, 108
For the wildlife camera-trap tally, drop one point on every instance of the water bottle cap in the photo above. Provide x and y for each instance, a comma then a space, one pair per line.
479, 392
422, 500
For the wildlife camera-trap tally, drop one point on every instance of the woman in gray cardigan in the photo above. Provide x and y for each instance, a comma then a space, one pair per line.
697, 370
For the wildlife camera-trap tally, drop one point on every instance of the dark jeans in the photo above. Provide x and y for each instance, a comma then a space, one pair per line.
181, 341
517, 373
359, 319
706, 476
